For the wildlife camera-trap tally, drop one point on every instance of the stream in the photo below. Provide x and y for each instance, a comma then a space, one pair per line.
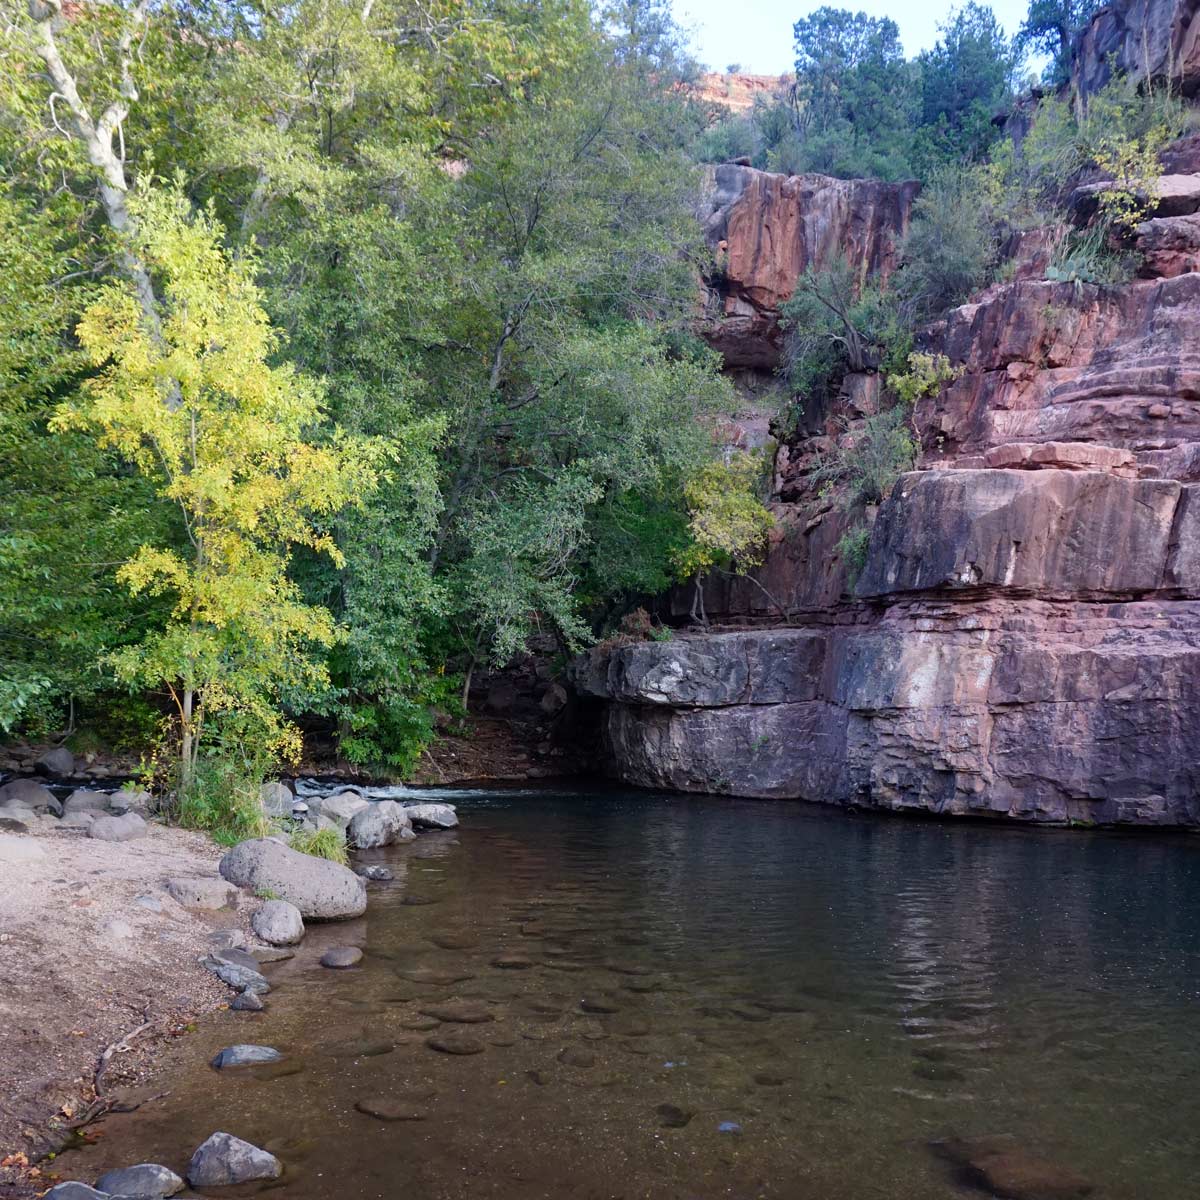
683, 998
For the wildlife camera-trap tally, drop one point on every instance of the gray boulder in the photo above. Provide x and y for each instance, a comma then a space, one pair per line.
124, 801
320, 889
32, 795
277, 799
342, 807
203, 892
237, 969
85, 800
117, 829
57, 762
247, 1002
223, 1160
16, 818
278, 923
74, 1191
379, 824
244, 1056
432, 816
146, 1181
79, 820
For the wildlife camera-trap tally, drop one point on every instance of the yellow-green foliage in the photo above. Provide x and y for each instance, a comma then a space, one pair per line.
726, 519
226, 436
925, 375
321, 843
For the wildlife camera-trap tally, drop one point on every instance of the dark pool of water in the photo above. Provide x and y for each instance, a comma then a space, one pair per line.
785, 1002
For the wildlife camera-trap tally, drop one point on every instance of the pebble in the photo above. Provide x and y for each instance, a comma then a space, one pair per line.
598, 1004
455, 941
455, 1042
385, 1109
461, 1012
729, 1127
512, 962
338, 958
671, 1116
575, 1056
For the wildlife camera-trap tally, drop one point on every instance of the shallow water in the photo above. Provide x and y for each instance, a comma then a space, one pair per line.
784, 1002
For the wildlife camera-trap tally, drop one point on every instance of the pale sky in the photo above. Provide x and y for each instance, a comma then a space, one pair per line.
758, 33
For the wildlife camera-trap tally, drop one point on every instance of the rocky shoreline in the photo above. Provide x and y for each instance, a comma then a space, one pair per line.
119, 932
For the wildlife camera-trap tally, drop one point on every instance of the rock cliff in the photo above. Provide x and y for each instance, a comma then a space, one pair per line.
1023, 640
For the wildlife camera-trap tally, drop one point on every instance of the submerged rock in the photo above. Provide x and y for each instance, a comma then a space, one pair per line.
384, 1108
244, 1056
375, 873
238, 969
460, 1012
338, 958
247, 1002
146, 1181
455, 1042
223, 1160
320, 889
1008, 1169
74, 1191
279, 923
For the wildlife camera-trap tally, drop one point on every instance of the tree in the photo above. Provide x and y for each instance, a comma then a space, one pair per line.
232, 456
965, 79
1050, 28
857, 92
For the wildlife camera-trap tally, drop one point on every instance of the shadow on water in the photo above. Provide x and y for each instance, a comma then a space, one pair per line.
640, 996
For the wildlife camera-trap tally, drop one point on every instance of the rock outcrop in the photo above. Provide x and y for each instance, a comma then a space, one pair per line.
1023, 638
1148, 39
766, 230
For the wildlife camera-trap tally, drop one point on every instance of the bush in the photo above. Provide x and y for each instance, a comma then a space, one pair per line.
1086, 256
321, 843
852, 547
223, 801
733, 137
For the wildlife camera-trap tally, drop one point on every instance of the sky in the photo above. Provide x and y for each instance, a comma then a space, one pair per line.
757, 34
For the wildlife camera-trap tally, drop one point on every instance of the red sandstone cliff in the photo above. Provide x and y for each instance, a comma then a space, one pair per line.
1024, 639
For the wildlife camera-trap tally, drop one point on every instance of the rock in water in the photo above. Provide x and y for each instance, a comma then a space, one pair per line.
57, 762
224, 1160
146, 1181
278, 923
432, 816
85, 800
379, 824
340, 957
384, 1108
244, 1056
247, 1002
202, 893
375, 873
117, 829
455, 1042
342, 807
320, 889
74, 1191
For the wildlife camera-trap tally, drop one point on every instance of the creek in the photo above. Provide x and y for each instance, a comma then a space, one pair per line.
679, 997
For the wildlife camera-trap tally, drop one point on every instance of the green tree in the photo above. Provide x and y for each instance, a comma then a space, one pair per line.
1050, 29
232, 455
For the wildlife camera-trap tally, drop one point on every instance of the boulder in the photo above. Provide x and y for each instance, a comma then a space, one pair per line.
432, 816
338, 958
117, 829
85, 800
379, 824
203, 892
244, 1056
341, 807
33, 795
16, 818
375, 873
146, 1181
223, 1160
277, 799
74, 1191
123, 801
79, 820
320, 889
57, 763
247, 1002
278, 923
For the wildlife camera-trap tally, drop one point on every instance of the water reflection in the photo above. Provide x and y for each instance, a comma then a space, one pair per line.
689, 998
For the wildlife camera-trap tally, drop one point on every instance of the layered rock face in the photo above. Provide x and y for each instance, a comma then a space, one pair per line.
1023, 639
1158, 39
766, 230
